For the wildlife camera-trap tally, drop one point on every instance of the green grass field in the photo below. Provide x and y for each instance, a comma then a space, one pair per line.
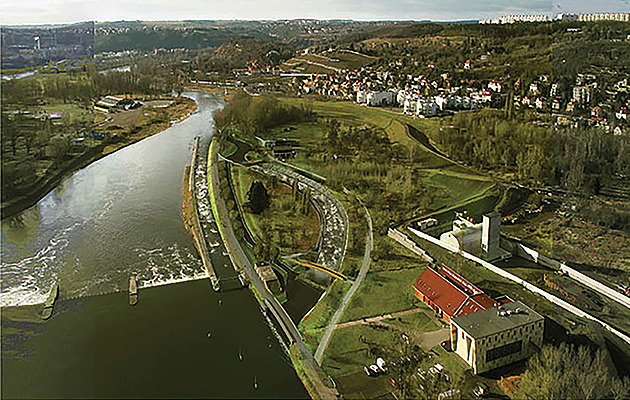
419, 321
278, 222
312, 324
383, 292
327, 62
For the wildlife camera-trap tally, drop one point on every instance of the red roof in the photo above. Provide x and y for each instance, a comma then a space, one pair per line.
451, 293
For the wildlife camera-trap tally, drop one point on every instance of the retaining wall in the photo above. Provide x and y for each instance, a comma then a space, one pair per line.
533, 255
408, 243
592, 283
555, 300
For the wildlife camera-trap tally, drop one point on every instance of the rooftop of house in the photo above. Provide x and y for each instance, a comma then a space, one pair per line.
497, 319
453, 294
266, 272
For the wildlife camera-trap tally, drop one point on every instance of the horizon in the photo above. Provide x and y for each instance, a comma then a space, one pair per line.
64, 12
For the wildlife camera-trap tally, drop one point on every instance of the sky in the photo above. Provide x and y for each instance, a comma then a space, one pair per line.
18, 12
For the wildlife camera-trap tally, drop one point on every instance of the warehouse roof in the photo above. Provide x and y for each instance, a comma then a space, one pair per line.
451, 293
497, 319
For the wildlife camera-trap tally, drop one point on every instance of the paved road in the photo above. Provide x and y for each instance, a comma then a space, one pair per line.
379, 318
319, 353
238, 257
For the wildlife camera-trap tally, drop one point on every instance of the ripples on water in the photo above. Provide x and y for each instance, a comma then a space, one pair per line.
118, 217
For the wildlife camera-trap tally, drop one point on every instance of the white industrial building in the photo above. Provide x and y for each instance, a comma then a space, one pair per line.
373, 99
482, 239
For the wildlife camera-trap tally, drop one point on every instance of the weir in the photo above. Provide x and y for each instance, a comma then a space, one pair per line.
141, 285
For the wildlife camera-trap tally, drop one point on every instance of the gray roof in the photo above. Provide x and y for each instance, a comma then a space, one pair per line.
489, 321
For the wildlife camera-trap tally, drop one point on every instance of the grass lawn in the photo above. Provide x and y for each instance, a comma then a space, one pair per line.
452, 183
346, 354
312, 324
419, 321
229, 149
383, 292
293, 232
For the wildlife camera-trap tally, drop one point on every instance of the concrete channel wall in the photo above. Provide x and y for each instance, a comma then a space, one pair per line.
408, 243
592, 283
555, 300
533, 255
200, 241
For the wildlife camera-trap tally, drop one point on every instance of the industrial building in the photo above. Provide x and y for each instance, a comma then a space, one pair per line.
482, 239
109, 103
497, 336
491, 227
449, 294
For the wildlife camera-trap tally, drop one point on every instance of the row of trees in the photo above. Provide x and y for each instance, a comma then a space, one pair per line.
585, 159
488, 140
570, 372
78, 87
155, 75
580, 160
254, 116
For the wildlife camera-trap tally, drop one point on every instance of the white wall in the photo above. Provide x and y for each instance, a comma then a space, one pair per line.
556, 300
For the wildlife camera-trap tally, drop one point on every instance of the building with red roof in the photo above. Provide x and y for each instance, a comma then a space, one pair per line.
449, 294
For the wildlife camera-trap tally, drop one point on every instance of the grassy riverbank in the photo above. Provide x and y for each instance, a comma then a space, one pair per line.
367, 153
35, 191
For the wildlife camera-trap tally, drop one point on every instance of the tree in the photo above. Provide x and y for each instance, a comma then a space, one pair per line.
10, 131
332, 133
305, 201
296, 190
257, 197
569, 372
60, 147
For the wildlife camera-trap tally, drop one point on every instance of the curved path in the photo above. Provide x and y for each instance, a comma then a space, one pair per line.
319, 353
239, 259
334, 237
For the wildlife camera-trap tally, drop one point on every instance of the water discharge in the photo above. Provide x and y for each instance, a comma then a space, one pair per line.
117, 217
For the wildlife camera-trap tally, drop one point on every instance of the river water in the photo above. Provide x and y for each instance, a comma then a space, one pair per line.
120, 216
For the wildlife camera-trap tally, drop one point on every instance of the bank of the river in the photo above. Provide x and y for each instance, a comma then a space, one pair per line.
307, 370
45, 184
118, 217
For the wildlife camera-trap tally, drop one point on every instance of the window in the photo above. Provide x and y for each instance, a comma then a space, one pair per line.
504, 351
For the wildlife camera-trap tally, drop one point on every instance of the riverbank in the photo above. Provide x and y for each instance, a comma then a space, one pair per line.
44, 185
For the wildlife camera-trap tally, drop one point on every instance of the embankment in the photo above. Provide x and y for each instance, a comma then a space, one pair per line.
31, 195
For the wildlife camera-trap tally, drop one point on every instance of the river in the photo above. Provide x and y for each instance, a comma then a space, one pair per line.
120, 216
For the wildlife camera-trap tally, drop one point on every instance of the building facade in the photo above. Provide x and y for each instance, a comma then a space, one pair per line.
497, 336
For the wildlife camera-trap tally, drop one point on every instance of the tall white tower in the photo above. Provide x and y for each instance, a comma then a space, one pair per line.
490, 233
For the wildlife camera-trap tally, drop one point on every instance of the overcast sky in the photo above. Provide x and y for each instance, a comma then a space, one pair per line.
14, 12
